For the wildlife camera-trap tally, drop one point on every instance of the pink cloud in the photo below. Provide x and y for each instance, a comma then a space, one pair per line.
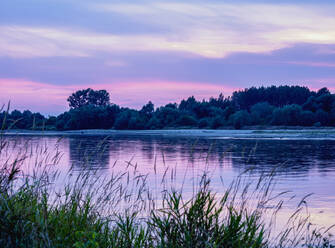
315, 84
162, 92
318, 83
48, 98
25, 94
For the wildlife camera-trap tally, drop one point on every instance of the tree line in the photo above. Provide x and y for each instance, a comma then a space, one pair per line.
263, 106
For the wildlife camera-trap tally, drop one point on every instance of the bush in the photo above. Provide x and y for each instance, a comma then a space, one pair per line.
186, 120
323, 117
122, 120
240, 119
204, 123
136, 122
261, 113
307, 118
289, 115
217, 122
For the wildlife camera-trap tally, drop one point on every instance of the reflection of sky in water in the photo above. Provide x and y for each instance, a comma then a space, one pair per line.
302, 166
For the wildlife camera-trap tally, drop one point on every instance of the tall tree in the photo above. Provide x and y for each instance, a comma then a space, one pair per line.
148, 110
88, 97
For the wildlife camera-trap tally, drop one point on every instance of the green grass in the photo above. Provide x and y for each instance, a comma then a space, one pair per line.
27, 219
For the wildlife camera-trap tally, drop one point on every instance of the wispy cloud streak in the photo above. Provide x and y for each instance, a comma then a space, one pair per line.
206, 29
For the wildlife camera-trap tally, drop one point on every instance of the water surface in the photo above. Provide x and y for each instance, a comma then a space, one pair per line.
302, 166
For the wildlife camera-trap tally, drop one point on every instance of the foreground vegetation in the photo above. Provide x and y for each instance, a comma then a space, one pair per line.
267, 106
123, 211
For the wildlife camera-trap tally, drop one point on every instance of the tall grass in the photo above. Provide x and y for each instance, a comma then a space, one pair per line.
121, 210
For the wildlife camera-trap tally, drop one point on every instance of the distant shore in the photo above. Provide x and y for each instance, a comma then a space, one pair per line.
292, 133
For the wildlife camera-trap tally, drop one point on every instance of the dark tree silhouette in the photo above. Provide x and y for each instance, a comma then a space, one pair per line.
148, 110
274, 105
88, 97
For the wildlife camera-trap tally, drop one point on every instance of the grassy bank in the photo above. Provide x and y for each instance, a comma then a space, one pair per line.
122, 211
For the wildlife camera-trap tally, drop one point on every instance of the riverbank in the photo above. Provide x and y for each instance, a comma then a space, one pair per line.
324, 133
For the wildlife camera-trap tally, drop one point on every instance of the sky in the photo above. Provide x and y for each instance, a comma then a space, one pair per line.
161, 51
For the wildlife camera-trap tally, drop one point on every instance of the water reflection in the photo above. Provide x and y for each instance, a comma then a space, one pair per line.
303, 166
89, 153
301, 158
290, 157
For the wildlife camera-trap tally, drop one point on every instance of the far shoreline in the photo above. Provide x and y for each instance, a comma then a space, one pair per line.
291, 133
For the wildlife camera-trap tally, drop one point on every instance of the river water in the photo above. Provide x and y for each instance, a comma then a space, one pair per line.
302, 166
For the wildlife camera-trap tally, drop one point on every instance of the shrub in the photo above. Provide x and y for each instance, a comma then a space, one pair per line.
186, 120
204, 123
240, 119
261, 113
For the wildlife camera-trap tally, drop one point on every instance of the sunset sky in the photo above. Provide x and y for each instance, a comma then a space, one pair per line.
160, 50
